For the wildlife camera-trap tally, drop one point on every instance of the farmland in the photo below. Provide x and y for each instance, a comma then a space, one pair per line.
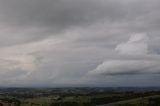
79, 97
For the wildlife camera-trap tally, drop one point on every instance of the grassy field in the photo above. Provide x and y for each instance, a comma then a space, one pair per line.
47, 101
39, 100
78, 97
134, 101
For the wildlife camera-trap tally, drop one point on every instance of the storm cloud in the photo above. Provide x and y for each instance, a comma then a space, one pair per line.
78, 42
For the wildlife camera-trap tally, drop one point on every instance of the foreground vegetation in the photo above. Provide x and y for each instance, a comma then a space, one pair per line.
79, 97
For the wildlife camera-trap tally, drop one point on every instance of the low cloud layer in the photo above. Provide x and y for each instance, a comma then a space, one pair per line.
79, 43
127, 67
135, 61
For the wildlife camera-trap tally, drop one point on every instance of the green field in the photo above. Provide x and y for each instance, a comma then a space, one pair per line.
79, 97
134, 101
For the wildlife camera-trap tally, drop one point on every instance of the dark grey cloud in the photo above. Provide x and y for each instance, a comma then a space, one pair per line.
57, 13
63, 41
39, 18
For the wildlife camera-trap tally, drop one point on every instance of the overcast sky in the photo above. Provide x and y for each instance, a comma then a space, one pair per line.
79, 43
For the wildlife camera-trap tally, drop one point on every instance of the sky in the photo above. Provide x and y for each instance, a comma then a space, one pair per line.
79, 43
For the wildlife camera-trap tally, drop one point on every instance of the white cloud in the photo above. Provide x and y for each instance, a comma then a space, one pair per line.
137, 45
135, 59
127, 67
